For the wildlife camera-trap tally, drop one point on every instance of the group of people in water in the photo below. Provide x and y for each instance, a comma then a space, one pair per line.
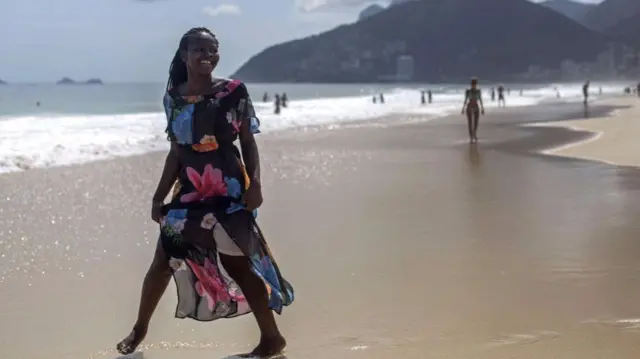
279, 101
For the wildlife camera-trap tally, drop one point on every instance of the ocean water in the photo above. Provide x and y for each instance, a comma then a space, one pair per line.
77, 124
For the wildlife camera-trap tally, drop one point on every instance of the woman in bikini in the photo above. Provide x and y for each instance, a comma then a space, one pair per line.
473, 107
209, 223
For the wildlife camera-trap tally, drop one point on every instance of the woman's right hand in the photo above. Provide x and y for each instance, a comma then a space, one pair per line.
156, 211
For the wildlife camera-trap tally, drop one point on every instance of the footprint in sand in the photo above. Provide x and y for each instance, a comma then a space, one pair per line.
521, 339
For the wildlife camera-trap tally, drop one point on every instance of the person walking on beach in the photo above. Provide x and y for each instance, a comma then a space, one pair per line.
209, 223
501, 101
585, 93
473, 107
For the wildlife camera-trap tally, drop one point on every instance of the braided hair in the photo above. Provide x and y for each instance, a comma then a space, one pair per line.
178, 68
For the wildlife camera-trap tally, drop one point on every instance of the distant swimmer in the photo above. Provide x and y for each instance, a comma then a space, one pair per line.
473, 107
501, 101
430, 95
585, 92
277, 103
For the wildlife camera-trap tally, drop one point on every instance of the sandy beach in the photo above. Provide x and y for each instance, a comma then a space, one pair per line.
614, 139
401, 240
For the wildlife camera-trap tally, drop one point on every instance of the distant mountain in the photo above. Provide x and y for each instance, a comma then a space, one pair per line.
571, 9
94, 82
370, 11
399, 2
628, 30
610, 13
65, 81
448, 40
376, 8
68, 81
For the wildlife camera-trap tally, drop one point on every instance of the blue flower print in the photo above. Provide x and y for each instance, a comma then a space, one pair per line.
233, 187
174, 216
254, 126
181, 125
166, 101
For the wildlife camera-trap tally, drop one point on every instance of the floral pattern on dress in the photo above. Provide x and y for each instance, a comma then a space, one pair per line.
207, 202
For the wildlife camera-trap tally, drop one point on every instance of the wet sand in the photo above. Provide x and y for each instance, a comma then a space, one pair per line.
402, 241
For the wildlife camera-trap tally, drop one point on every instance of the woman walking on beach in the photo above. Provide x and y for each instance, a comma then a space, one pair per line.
210, 215
474, 107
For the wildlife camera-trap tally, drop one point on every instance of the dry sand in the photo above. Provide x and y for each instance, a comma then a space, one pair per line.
615, 137
402, 241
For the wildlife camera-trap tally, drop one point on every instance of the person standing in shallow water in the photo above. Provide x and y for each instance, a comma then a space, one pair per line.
473, 107
277, 101
211, 213
585, 92
501, 101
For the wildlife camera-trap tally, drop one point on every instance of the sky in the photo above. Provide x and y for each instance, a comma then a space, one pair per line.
134, 40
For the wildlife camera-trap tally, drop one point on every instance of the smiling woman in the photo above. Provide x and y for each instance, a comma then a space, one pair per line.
212, 211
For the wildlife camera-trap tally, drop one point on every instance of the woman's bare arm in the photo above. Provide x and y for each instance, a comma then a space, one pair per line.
250, 154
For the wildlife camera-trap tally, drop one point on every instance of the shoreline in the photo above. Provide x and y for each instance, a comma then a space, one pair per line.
612, 137
398, 119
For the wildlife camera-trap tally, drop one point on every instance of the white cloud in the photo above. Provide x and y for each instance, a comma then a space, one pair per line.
222, 9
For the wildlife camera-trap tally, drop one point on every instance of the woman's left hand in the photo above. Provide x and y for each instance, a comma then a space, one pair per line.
253, 196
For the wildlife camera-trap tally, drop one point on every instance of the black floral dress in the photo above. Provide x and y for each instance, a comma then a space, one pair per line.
207, 203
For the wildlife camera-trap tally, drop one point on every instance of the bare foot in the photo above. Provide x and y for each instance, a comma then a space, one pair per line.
268, 347
129, 344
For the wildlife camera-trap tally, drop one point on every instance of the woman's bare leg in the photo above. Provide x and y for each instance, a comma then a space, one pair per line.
155, 283
239, 268
476, 121
470, 124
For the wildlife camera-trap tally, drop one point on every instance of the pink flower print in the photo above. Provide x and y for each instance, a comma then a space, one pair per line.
210, 184
209, 284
